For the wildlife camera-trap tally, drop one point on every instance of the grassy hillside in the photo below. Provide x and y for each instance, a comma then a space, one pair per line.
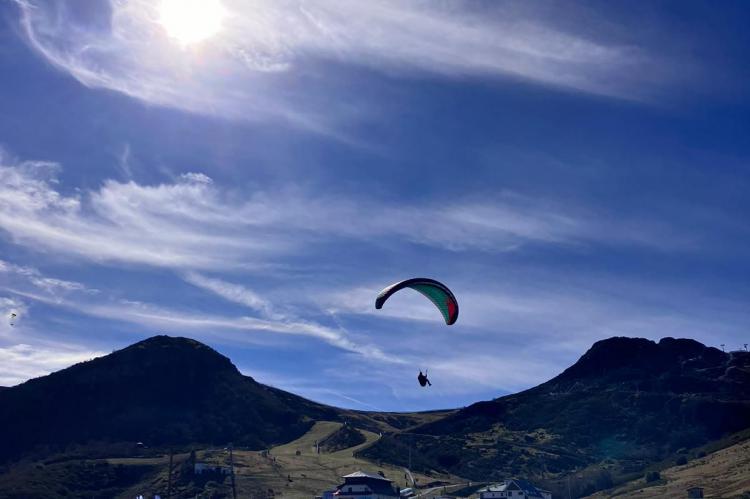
724, 473
345, 437
291, 470
624, 407
625, 404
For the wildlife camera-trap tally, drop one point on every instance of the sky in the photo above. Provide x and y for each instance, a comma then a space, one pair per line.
251, 174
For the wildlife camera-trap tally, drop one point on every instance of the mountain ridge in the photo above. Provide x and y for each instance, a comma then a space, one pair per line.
161, 390
626, 402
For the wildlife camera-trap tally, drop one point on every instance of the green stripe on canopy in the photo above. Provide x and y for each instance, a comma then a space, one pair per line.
437, 296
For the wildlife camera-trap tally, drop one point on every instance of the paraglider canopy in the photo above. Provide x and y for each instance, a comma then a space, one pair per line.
437, 292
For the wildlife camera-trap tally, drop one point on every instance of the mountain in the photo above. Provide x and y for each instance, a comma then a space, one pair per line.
626, 403
161, 391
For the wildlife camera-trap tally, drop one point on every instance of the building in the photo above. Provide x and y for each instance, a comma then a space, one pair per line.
695, 492
361, 485
517, 489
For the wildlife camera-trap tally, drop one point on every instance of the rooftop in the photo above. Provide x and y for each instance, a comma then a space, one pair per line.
514, 484
362, 474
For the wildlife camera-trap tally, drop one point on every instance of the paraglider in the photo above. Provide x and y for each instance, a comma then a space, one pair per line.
437, 292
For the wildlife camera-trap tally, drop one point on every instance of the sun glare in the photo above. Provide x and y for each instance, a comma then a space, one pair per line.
191, 21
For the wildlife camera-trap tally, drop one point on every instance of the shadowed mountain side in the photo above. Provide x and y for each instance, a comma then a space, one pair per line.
627, 400
345, 437
624, 405
160, 391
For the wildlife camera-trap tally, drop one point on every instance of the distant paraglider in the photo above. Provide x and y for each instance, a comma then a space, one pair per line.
437, 292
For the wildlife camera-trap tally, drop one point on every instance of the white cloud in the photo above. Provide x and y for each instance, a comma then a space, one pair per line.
21, 362
48, 284
210, 325
159, 317
193, 224
183, 224
234, 293
257, 59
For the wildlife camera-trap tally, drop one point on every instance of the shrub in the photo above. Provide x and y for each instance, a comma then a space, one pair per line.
653, 476
448, 460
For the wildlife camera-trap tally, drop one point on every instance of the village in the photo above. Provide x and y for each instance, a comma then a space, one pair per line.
362, 485
308, 468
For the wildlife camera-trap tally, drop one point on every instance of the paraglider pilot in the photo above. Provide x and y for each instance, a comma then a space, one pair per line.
423, 381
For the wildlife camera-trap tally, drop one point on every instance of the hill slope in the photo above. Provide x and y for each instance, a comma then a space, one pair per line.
160, 391
625, 403
724, 473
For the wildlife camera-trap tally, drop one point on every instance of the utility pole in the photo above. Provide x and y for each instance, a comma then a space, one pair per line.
231, 467
411, 441
169, 480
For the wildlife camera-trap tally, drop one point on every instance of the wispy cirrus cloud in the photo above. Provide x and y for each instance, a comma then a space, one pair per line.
125, 222
260, 56
554, 313
234, 293
31, 287
191, 224
50, 284
22, 361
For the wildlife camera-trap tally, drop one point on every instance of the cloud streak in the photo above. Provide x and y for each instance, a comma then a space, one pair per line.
21, 362
191, 224
266, 48
157, 317
48, 284
234, 293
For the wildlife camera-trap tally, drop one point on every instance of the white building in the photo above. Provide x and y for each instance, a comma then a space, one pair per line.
517, 489
360, 485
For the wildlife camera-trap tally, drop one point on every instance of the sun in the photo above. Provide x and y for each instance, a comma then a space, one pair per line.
191, 21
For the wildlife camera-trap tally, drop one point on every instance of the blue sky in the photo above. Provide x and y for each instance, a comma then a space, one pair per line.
572, 170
